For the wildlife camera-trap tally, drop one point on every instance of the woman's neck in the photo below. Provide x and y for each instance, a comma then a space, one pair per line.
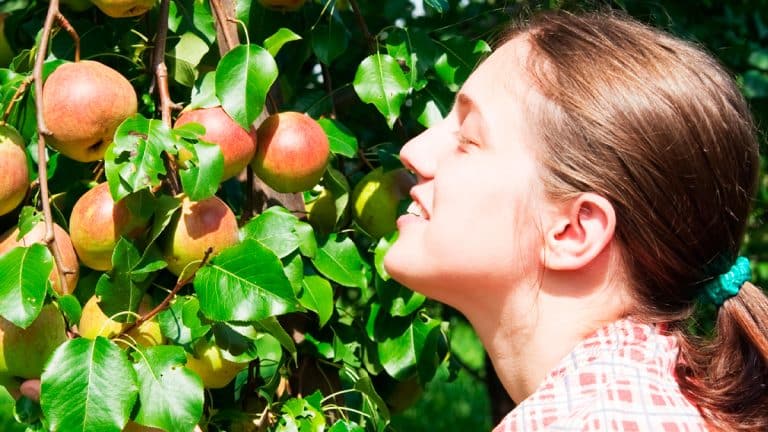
526, 336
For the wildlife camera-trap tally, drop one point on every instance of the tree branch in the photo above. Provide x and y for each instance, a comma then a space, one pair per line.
42, 159
363, 26
161, 81
167, 300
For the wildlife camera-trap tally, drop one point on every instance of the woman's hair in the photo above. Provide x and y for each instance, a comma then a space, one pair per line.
659, 128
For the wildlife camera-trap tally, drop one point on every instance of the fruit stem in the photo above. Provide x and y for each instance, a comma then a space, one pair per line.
167, 300
42, 157
64, 23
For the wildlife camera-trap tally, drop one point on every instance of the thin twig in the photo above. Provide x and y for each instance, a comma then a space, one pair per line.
167, 300
161, 81
42, 161
363, 26
16, 97
328, 88
64, 23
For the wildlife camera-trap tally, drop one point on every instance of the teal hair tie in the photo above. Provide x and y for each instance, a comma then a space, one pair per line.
728, 284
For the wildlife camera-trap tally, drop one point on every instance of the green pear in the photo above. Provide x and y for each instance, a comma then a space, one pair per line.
25, 351
322, 212
376, 197
209, 363
93, 322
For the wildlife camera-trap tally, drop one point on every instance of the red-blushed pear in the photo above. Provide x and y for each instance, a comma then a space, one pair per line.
93, 322
199, 225
14, 181
376, 197
23, 352
8, 241
124, 8
292, 153
97, 223
237, 144
285, 5
209, 363
83, 104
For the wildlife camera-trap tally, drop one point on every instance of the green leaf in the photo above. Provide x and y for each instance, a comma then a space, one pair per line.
398, 300
237, 342
410, 352
134, 161
181, 322
317, 296
341, 139
165, 207
24, 282
382, 247
339, 260
171, 395
459, 59
244, 283
346, 426
7, 421
243, 78
28, 219
280, 38
755, 84
307, 239
204, 93
272, 326
88, 385
380, 81
427, 110
329, 40
759, 59
118, 290
274, 228
440, 6
399, 46
70, 307
364, 384
184, 58
200, 180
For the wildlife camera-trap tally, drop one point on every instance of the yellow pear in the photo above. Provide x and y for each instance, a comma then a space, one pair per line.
93, 322
124, 8
209, 363
23, 352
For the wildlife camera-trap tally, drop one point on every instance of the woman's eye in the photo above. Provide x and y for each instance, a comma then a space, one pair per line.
466, 145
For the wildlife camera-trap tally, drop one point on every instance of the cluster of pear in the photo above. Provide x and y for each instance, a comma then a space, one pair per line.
83, 103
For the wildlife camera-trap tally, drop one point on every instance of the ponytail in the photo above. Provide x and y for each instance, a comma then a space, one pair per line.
727, 376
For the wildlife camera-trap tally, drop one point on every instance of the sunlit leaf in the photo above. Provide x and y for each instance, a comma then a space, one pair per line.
244, 283
171, 395
89, 385
380, 81
243, 78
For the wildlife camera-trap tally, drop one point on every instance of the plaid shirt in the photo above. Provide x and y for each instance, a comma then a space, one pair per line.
621, 378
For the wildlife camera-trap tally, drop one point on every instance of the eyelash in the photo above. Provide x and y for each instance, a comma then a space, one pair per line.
464, 142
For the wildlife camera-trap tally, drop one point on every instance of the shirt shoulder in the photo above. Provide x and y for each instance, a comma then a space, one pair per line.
621, 378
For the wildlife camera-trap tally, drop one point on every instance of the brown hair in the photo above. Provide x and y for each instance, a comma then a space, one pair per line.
659, 128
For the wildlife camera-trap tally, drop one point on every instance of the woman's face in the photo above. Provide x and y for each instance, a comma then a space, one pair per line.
478, 202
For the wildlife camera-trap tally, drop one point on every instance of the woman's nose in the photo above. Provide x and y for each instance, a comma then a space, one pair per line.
422, 153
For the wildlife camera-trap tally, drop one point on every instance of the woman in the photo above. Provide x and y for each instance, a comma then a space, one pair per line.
591, 185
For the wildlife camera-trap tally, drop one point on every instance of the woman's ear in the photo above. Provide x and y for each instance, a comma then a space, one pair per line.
578, 232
